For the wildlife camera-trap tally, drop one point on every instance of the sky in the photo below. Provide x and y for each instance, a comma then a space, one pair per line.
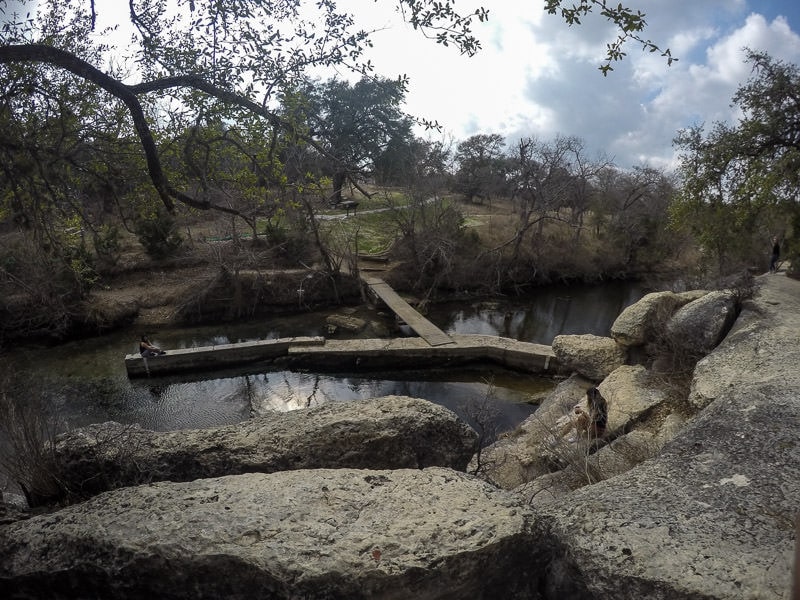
538, 77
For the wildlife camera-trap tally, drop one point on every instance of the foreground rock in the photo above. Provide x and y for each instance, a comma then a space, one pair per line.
392, 432
302, 534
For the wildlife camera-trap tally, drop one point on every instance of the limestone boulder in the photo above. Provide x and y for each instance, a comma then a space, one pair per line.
700, 325
392, 432
635, 325
640, 322
322, 534
631, 393
592, 356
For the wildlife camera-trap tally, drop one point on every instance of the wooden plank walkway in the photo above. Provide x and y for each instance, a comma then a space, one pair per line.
421, 326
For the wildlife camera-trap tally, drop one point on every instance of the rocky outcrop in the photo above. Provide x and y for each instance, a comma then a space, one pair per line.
593, 356
321, 534
711, 517
679, 502
522, 455
393, 432
535, 449
760, 345
712, 514
686, 326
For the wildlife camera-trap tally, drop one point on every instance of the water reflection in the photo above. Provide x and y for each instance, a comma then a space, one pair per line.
543, 315
223, 400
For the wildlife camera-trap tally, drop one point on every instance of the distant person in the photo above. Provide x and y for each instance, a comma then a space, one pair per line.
588, 420
776, 254
147, 350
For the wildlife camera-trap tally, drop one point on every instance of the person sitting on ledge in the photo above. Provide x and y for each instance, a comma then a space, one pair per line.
589, 420
146, 349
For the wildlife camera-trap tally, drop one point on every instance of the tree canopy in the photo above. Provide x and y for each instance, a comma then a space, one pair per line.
195, 57
741, 182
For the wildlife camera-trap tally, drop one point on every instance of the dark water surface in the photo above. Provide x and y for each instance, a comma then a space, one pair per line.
541, 316
86, 382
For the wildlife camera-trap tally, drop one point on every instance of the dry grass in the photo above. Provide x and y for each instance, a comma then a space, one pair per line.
28, 436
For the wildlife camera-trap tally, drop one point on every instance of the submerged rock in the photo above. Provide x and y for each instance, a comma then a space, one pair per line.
346, 322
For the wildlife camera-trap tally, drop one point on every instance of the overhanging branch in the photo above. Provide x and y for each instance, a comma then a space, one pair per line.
128, 94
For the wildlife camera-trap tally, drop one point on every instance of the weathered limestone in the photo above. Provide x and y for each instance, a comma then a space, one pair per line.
712, 515
700, 325
637, 324
592, 356
384, 433
630, 393
759, 346
322, 534
534, 449
582, 468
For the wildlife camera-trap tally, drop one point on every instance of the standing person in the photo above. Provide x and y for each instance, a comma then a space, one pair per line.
146, 349
776, 254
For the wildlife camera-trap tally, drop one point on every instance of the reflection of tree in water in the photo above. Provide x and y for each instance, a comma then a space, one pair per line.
313, 395
285, 391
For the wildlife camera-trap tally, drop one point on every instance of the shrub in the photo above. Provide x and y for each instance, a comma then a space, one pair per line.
29, 431
158, 234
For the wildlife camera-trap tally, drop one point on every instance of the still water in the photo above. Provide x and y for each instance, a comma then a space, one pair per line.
85, 381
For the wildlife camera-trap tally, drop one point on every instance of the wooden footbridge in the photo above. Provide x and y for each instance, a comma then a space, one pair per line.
433, 348
421, 326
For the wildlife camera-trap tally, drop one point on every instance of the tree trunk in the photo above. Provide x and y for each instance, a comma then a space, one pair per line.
338, 183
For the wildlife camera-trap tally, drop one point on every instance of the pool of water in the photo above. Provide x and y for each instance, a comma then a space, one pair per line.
85, 381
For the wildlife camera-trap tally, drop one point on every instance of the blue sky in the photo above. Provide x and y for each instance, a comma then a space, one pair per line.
536, 77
